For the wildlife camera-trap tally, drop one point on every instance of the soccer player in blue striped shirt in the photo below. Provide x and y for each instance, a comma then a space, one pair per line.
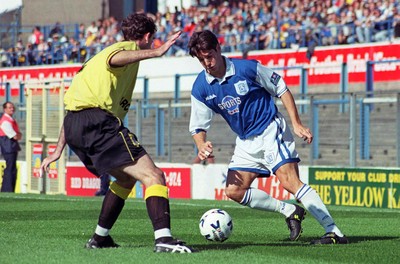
242, 92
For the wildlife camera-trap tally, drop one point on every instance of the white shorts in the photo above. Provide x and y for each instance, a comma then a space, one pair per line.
265, 153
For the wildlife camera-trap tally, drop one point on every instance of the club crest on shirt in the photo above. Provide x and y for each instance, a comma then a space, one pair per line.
241, 87
269, 158
275, 78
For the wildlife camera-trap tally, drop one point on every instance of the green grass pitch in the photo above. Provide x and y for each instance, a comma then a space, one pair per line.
54, 229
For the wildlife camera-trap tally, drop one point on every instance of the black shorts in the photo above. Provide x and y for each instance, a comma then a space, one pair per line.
100, 140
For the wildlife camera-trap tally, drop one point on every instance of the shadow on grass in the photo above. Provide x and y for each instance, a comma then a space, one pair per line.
360, 239
353, 239
230, 246
304, 242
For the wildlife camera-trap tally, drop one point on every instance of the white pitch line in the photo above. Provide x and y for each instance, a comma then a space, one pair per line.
194, 204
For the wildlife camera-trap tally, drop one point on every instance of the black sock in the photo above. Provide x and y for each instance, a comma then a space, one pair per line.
158, 210
111, 208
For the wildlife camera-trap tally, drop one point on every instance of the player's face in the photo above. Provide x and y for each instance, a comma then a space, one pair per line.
213, 62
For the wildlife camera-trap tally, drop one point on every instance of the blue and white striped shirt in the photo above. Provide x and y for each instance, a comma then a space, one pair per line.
243, 97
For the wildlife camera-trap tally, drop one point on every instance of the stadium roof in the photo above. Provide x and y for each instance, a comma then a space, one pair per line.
9, 5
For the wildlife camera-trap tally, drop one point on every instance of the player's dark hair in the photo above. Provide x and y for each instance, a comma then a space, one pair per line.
136, 25
202, 41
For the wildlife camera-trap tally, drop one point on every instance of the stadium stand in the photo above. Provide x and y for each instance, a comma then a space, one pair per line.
241, 26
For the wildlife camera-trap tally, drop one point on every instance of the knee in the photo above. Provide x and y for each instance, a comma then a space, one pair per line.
234, 193
126, 182
157, 176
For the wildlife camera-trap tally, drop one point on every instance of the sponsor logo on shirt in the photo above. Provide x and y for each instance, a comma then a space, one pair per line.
241, 87
230, 104
275, 78
210, 97
124, 103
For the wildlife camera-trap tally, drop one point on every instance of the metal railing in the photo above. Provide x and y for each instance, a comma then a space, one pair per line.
351, 123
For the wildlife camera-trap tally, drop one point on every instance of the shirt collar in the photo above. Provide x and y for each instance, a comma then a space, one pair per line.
230, 71
8, 115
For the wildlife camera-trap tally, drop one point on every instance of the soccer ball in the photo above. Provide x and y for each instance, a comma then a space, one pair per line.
216, 225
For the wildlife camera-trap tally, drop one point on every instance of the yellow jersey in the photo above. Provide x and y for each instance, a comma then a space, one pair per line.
97, 84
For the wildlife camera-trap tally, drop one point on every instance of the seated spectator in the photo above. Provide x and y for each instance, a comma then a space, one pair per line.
102, 36
42, 49
243, 39
396, 23
92, 29
82, 29
72, 50
4, 60
363, 26
160, 36
31, 54
383, 25
35, 36
260, 37
90, 39
180, 45
310, 41
116, 34
56, 30
341, 38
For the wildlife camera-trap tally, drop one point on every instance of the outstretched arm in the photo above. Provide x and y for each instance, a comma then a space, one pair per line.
56, 154
125, 57
298, 128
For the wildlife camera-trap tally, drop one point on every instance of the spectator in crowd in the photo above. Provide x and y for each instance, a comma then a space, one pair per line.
42, 50
56, 30
90, 39
72, 49
82, 29
31, 54
396, 23
363, 26
9, 137
4, 59
179, 47
35, 36
347, 27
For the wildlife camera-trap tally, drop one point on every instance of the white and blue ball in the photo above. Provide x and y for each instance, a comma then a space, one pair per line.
216, 225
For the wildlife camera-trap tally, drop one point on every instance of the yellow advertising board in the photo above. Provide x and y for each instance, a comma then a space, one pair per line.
18, 184
378, 188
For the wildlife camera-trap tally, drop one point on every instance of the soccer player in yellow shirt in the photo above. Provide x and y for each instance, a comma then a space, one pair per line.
96, 103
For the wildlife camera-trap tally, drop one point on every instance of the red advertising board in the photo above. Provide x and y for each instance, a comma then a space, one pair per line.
81, 182
178, 182
18, 74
